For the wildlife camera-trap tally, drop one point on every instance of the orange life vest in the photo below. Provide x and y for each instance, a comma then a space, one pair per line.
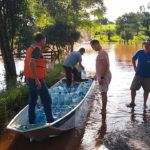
40, 65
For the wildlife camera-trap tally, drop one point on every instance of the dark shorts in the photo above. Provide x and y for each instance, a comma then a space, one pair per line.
140, 81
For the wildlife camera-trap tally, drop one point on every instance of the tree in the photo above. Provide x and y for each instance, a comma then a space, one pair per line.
129, 25
74, 12
61, 35
11, 16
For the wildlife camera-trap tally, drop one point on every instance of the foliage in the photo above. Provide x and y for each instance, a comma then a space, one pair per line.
54, 75
61, 34
127, 26
133, 24
75, 11
13, 14
39, 13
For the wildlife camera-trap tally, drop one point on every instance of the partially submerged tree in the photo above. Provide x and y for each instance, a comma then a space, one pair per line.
11, 15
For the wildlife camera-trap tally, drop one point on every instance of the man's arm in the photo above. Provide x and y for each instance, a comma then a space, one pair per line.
34, 57
134, 64
80, 64
134, 58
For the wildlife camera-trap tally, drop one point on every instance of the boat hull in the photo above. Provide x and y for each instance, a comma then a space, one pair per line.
71, 120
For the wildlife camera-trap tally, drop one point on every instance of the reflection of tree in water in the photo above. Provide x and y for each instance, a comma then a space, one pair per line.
125, 52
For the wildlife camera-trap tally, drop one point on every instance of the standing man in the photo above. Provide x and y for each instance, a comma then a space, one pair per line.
141, 64
103, 74
35, 73
69, 66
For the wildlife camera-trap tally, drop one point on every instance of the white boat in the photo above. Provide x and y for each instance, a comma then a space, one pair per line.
65, 119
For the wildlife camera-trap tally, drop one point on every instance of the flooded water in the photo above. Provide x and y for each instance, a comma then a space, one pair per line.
121, 128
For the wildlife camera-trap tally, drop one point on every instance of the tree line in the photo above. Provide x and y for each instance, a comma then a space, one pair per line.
128, 27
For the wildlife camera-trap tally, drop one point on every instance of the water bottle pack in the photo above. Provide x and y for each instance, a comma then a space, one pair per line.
63, 99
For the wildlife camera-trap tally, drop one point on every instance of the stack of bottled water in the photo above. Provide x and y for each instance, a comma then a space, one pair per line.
64, 99
39, 111
83, 74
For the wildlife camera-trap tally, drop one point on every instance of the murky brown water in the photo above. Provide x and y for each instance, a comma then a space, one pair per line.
121, 128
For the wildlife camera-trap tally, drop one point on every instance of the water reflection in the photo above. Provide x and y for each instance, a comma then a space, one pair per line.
101, 132
134, 115
124, 53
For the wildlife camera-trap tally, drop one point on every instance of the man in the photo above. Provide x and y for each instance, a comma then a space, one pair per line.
141, 64
69, 66
103, 74
35, 72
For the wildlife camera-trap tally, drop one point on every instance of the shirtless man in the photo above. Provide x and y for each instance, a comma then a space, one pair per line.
103, 74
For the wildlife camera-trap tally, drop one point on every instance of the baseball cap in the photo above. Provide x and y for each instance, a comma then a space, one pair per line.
147, 41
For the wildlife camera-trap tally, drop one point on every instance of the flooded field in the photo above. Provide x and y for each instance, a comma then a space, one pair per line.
121, 128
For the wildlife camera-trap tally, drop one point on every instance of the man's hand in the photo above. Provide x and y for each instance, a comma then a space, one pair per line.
135, 68
101, 81
38, 84
95, 77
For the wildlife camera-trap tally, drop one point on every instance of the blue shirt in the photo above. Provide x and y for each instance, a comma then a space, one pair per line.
143, 66
72, 59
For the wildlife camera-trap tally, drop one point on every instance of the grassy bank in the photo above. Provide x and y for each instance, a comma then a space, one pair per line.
14, 99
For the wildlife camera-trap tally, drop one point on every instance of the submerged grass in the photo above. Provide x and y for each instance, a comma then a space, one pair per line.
14, 99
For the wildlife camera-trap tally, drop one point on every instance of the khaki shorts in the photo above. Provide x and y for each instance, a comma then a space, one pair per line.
104, 87
140, 81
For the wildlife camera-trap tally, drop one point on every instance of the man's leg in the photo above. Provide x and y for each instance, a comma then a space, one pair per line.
76, 74
145, 95
104, 89
104, 101
135, 85
46, 101
146, 87
133, 94
68, 72
32, 100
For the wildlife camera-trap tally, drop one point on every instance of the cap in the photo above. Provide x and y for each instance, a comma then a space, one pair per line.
146, 41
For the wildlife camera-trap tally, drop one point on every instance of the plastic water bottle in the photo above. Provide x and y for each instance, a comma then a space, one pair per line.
61, 98
38, 103
40, 117
68, 99
75, 98
83, 74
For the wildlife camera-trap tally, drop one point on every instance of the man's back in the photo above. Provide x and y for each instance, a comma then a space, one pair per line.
72, 59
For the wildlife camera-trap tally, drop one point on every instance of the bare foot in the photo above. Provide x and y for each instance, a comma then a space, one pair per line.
130, 105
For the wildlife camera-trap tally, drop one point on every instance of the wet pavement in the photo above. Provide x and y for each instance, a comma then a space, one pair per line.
121, 128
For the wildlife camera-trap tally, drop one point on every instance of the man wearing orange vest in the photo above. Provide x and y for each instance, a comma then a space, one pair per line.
35, 73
